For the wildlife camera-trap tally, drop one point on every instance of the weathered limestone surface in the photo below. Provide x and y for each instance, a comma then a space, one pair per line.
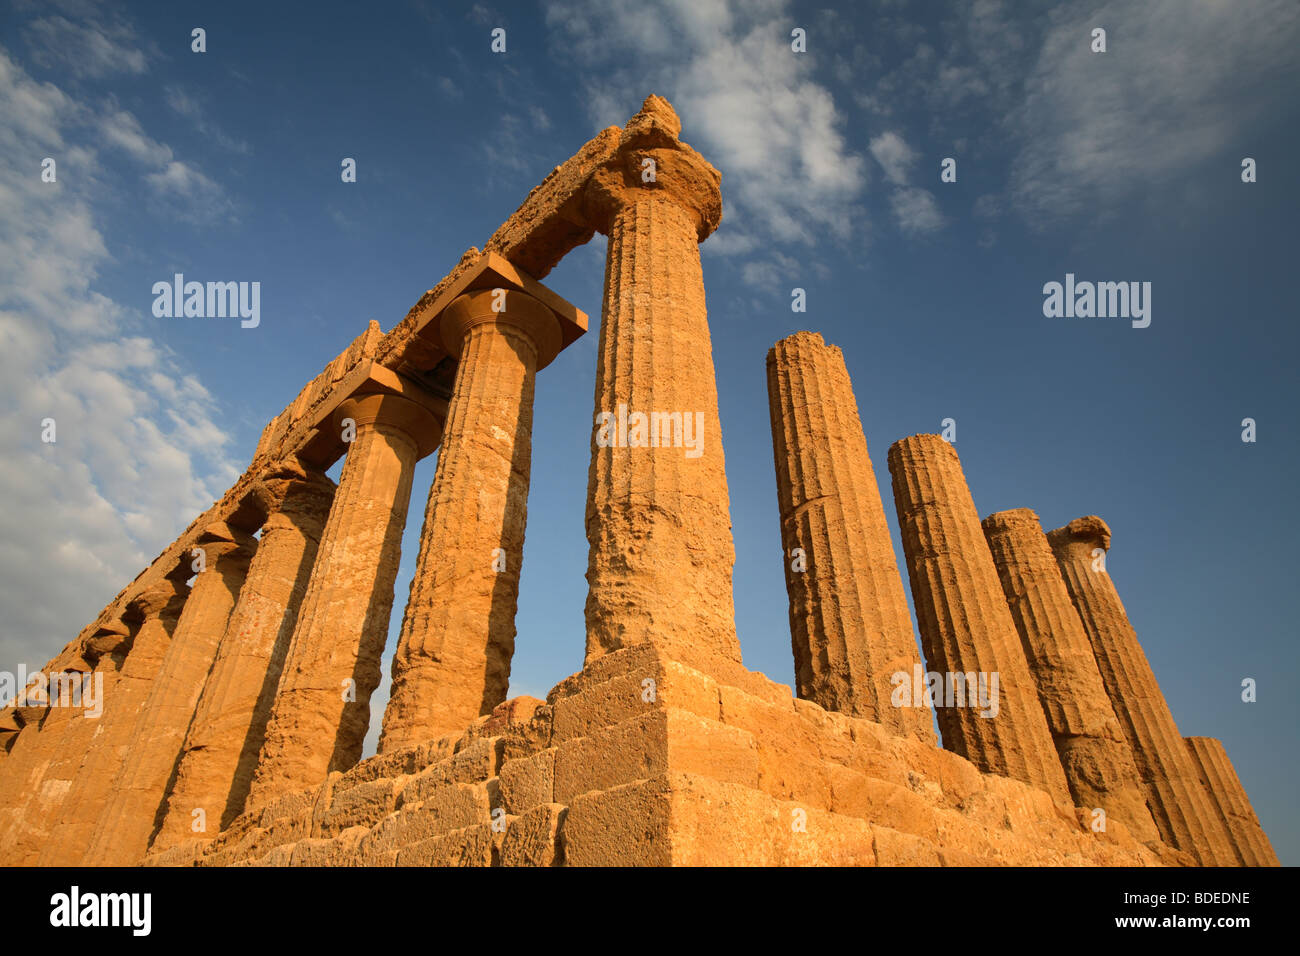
1094, 753
703, 774
849, 623
658, 521
134, 808
458, 631
322, 707
42, 727
157, 611
106, 652
1180, 805
1230, 801
229, 726
965, 624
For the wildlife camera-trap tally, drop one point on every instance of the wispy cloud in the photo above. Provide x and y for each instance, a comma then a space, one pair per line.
1182, 81
140, 447
746, 100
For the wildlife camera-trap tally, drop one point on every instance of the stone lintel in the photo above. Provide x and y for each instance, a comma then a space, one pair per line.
494, 271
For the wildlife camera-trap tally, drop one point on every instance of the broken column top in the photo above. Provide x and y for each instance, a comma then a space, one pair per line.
1012, 518
650, 160
801, 339
1086, 530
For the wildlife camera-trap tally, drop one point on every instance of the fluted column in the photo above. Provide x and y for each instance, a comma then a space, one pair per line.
1094, 753
322, 707
849, 624
106, 652
966, 627
134, 808
458, 631
1178, 802
42, 726
157, 610
1229, 798
229, 726
658, 515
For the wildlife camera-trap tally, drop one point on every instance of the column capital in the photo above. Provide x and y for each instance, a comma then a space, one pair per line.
112, 636
220, 540
163, 599
1087, 532
302, 500
418, 423
675, 173
501, 307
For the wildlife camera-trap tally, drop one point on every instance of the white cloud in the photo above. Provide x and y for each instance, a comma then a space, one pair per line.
894, 156
746, 102
140, 446
92, 49
1182, 81
915, 210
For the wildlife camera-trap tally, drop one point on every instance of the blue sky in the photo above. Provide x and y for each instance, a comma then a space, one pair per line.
1123, 165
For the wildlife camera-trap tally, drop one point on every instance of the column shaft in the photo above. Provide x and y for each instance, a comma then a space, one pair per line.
160, 607
658, 512
134, 808
966, 627
1229, 798
1178, 802
229, 726
44, 804
849, 624
322, 707
1094, 753
458, 631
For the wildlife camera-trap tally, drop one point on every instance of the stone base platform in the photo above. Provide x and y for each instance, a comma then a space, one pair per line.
643, 760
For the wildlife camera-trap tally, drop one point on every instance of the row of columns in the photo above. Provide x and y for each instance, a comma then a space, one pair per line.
255, 680
1078, 711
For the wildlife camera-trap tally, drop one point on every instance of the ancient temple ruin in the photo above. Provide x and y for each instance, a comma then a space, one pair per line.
237, 669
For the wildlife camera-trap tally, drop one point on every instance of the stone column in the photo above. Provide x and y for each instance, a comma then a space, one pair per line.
849, 624
966, 627
658, 513
458, 631
322, 707
1095, 754
41, 725
134, 809
229, 726
105, 651
1178, 802
156, 610
1229, 798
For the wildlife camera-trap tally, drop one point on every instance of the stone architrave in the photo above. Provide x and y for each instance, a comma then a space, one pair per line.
966, 627
849, 624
